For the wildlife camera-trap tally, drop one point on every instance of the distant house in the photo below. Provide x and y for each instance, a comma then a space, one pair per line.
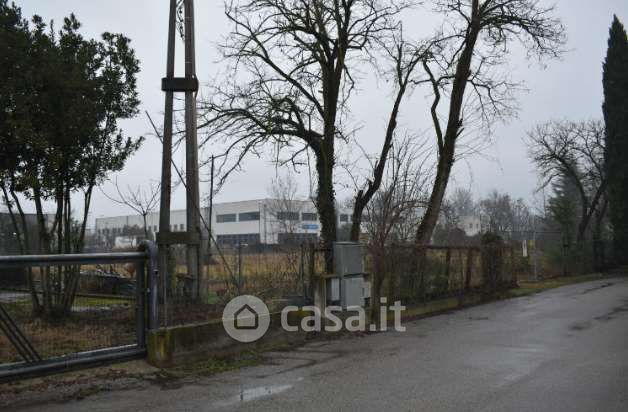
470, 225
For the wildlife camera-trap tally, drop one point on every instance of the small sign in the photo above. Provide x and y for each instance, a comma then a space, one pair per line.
524, 245
310, 226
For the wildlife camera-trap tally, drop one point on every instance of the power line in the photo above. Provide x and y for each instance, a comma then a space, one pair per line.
203, 221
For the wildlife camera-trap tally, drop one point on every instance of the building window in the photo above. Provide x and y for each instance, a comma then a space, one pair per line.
344, 218
155, 228
309, 217
248, 217
234, 240
231, 217
291, 216
296, 238
181, 227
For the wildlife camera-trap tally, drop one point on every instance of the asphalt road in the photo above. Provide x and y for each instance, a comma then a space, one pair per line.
562, 350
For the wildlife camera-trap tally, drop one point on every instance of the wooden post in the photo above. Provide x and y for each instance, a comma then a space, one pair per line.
469, 271
448, 268
311, 270
513, 268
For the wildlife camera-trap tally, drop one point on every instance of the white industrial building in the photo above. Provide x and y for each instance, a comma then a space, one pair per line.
265, 221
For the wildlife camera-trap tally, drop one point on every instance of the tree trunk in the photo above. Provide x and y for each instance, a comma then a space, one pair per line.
27, 251
599, 258
145, 226
23, 242
71, 295
86, 205
447, 147
363, 198
326, 202
428, 223
356, 217
44, 237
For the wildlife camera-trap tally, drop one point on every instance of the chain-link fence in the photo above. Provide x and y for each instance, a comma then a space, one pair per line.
548, 254
418, 274
70, 306
284, 274
276, 274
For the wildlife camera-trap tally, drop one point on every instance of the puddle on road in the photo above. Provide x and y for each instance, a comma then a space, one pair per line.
252, 394
248, 395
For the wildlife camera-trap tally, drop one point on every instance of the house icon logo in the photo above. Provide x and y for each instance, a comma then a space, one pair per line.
246, 318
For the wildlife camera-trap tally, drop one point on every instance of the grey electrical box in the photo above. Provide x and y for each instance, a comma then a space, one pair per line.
349, 288
348, 258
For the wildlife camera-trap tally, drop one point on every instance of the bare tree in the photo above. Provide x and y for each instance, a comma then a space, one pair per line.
575, 150
463, 67
462, 202
299, 62
393, 214
505, 216
454, 208
452, 226
141, 200
285, 206
405, 58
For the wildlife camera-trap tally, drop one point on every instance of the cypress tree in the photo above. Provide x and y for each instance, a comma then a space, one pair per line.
565, 208
616, 117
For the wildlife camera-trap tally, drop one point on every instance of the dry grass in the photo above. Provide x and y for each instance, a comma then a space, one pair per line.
97, 328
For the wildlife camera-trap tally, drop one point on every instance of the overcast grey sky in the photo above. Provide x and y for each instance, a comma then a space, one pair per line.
570, 88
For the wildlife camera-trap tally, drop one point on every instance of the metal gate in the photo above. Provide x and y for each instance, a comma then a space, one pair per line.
59, 312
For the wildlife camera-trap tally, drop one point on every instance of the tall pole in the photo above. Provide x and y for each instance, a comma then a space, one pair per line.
536, 275
211, 207
166, 175
193, 219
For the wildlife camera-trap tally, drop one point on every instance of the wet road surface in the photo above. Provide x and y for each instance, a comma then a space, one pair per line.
562, 350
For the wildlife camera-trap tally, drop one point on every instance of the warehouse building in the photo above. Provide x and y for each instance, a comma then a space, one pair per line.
263, 221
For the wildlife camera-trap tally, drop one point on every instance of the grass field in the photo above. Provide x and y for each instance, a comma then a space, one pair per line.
95, 323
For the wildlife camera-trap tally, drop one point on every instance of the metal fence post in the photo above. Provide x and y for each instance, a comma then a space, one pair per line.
302, 271
240, 280
152, 274
140, 304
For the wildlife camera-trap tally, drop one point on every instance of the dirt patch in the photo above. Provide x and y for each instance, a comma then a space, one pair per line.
75, 385
613, 313
80, 332
580, 326
604, 286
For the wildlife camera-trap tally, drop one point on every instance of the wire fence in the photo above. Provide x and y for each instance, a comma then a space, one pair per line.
49, 310
276, 274
548, 255
285, 274
414, 274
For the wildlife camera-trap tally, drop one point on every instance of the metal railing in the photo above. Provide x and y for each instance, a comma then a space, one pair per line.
144, 299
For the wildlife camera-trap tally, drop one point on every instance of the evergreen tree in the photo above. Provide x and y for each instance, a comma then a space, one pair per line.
564, 207
61, 100
616, 118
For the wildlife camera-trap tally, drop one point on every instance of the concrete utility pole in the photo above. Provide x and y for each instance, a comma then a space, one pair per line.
193, 215
166, 171
189, 85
